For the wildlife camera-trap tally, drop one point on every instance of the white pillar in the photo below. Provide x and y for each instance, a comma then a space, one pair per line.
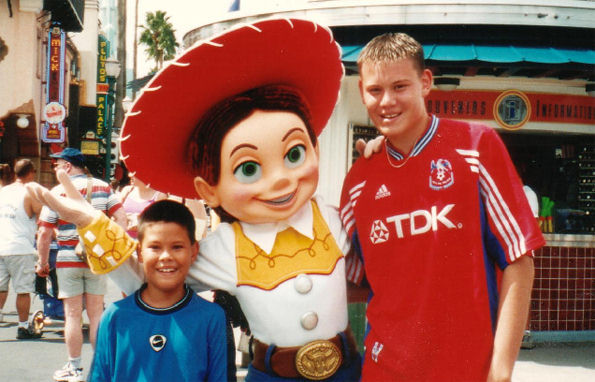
86, 43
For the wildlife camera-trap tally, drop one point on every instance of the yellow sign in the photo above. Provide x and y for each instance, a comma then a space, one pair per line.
89, 147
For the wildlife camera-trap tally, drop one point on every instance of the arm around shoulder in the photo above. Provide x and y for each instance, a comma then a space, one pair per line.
215, 267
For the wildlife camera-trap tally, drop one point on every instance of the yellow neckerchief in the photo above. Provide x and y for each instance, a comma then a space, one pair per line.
292, 254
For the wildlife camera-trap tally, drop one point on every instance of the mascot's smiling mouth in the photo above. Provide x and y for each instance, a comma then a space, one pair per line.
281, 200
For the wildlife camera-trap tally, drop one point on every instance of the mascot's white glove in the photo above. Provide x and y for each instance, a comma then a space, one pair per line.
106, 243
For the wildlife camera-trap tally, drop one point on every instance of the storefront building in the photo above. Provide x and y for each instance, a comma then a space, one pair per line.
39, 66
52, 67
527, 69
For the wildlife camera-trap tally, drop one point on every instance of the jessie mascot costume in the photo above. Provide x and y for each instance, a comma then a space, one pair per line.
235, 119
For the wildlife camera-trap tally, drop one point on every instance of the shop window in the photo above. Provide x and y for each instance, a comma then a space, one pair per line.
359, 132
561, 170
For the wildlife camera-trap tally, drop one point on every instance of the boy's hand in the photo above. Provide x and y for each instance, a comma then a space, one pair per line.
73, 208
367, 149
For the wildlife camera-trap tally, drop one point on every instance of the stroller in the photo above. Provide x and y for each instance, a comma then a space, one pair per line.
53, 308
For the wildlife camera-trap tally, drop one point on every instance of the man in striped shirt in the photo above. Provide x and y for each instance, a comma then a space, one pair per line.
434, 217
75, 280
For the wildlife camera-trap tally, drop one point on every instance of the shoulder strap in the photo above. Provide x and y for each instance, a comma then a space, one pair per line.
89, 188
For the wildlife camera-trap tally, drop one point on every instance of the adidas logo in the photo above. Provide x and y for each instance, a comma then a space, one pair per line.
382, 192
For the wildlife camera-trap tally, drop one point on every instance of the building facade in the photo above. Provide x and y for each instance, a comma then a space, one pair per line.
49, 65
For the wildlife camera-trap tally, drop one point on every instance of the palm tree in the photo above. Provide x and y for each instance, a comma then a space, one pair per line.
158, 36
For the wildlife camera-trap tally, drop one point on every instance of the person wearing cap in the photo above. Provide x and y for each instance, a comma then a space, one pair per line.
75, 279
248, 147
18, 214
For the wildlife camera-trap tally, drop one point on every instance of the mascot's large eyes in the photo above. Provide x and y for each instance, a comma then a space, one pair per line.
295, 156
248, 172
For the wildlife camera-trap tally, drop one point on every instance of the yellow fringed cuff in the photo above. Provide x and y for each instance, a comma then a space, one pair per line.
106, 243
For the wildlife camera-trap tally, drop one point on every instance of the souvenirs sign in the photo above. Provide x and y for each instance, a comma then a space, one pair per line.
512, 109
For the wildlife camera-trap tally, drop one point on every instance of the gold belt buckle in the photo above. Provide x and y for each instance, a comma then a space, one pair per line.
318, 360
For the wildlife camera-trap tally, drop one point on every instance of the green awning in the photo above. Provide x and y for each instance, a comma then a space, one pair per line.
493, 54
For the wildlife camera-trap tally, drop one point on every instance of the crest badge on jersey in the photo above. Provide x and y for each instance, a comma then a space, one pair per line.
157, 342
379, 232
441, 174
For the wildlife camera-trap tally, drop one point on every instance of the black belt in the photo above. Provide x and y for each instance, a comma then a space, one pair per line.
318, 359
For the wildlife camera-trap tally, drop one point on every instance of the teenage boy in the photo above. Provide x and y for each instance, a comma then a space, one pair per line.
433, 214
164, 331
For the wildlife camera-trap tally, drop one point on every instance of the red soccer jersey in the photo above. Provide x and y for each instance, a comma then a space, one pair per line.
431, 229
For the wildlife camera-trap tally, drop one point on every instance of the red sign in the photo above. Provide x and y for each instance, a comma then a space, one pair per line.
54, 66
508, 106
54, 114
102, 88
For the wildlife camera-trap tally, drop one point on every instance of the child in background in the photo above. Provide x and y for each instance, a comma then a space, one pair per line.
135, 198
164, 330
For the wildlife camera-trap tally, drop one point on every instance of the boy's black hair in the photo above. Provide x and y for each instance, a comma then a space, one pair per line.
167, 211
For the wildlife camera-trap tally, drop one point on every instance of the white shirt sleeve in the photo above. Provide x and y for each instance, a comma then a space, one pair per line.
331, 216
215, 266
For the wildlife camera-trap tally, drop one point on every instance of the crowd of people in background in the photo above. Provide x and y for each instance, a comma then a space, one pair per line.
29, 234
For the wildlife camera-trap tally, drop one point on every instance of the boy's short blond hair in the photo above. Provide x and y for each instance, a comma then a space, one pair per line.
390, 47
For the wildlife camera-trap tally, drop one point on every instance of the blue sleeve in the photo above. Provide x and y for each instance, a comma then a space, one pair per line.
355, 264
101, 366
217, 353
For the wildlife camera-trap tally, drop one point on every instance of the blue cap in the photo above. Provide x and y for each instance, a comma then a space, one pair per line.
71, 155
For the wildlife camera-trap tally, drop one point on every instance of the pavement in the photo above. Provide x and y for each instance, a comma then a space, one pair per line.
553, 362
36, 360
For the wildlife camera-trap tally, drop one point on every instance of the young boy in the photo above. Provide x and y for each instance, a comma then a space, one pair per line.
164, 330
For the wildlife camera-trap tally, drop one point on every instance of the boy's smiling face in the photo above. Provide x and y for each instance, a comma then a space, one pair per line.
166, 255
393, 94
269, 168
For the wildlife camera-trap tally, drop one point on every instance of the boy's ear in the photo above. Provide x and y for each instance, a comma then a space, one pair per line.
139, 252
360, 86
426, 80
195, 248
206, 192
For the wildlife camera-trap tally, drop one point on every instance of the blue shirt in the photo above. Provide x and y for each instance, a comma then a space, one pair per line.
185, 342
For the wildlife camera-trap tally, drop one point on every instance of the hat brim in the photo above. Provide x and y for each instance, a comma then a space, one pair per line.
74, 161
291, 52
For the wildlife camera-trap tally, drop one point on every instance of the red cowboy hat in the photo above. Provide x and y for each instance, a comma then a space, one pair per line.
291, 52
